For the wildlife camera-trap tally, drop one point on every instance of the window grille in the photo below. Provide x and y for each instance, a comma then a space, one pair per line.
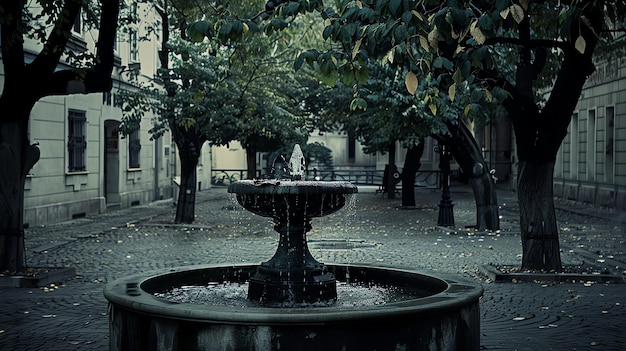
134, 147
77, 143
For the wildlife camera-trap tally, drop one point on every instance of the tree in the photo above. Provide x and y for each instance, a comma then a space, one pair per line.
501, 50
25, 82
269, 113
218, 85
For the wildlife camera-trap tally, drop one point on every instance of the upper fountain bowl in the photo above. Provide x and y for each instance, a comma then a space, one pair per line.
278, 198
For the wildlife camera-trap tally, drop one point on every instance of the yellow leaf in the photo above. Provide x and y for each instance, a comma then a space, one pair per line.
433, 109
488, 95
467, 109
504, 13
452, 91
411, 82
580, 44
424, 43
357, 45
390, 54
433, 38
417, 14
517, 12
478, 35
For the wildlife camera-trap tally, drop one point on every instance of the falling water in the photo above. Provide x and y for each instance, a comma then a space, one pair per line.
234, 294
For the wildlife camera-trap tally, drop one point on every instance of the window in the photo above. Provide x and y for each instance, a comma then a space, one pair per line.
573, 164
591, 144
134, 49
77, 142
609, 140
351, 147
134, 146
106, 98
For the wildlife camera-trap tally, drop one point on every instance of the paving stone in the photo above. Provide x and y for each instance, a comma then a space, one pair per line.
580, 315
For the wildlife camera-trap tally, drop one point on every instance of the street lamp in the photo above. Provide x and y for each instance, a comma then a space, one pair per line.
446, 212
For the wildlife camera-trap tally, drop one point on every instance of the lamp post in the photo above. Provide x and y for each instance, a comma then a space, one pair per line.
446, 212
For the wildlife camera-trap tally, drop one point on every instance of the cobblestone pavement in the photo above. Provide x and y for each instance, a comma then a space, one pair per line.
579, 315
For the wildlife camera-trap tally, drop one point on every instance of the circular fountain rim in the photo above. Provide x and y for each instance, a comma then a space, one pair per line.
457, 292
287, 186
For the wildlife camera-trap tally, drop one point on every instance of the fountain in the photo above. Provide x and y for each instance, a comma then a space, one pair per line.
292, 299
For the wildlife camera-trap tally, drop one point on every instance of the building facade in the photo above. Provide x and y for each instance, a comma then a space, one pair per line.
86, 165
591, 164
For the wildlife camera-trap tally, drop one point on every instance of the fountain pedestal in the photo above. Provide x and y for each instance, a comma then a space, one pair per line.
292, 275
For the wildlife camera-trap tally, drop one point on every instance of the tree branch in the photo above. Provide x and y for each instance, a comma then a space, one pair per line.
46, 62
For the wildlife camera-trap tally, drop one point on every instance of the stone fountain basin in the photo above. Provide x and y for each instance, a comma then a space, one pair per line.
446, 317
272, 198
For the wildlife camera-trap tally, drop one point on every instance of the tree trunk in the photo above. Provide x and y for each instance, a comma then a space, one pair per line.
467, 154
186, 206
391, 180
17, 157
540, 238
251, 162
188, 143
409, 170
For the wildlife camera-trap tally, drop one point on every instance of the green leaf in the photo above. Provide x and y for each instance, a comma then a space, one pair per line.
438, 62
400, 33
485, 23
279, 23
407, 17
253, 26
362, 74
297, 64
502, 4
237, 28
225, 30
198, 30
447, 64
394, 6
328, 72
327, 32
290, 9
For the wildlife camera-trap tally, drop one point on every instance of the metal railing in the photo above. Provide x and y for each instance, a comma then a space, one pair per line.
426, 179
